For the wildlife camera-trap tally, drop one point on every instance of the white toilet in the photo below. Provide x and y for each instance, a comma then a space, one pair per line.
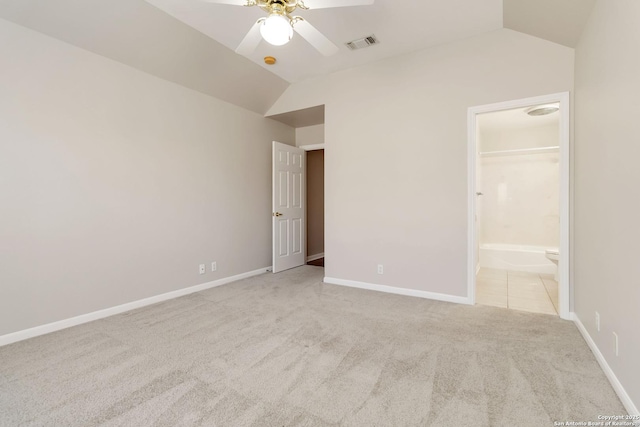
553, 255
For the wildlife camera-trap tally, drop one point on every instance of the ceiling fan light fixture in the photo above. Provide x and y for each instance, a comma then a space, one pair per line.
276, 29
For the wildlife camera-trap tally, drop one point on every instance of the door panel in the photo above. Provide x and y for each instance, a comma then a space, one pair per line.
297, 190
283, 183
288, 207
297, 236
283, 235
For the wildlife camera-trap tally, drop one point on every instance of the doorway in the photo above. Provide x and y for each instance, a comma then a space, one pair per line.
315, 205
518, 228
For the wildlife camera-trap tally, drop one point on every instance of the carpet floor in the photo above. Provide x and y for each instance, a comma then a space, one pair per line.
287, 350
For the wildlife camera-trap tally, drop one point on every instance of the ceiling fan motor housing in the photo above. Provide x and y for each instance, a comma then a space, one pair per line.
281, 7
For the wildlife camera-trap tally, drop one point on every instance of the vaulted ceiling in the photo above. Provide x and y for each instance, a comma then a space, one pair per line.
192, 42
140, 35
413, 26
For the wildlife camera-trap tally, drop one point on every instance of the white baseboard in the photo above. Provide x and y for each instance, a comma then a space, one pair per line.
315, 257
399, 291
100, 314
615, 383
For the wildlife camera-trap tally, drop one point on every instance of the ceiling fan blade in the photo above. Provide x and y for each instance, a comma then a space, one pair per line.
315, 37
232, 2
323, 4
251, 40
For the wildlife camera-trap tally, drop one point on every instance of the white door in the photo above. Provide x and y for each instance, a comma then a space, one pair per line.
288, 207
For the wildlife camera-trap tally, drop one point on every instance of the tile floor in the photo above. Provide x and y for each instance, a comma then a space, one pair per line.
536, 293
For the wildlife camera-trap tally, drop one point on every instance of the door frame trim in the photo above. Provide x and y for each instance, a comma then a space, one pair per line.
312, 147
564, 270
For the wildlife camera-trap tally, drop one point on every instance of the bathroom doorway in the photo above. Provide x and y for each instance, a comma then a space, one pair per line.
518, 205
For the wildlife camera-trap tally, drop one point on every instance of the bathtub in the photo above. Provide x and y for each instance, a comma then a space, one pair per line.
516, 257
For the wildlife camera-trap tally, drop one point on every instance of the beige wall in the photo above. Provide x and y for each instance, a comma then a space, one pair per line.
396, 149
310, 135
315, 202
607, 202
115, 184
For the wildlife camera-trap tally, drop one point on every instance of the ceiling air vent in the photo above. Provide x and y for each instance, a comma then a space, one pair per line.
363, 42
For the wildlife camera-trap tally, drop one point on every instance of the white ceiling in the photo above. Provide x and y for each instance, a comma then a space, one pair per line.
559, 21
193, 44
401, 27
302, 118
137, 34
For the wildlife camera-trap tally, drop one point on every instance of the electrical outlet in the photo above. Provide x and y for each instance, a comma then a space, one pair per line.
202, 269
615, 342
598, 321
214, 266
380, 269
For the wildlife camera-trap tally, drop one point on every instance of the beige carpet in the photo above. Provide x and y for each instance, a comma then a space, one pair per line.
287, 350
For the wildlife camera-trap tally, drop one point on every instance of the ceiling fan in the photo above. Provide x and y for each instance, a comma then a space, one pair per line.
277, 28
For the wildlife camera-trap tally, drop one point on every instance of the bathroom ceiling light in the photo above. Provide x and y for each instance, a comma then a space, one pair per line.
542, 110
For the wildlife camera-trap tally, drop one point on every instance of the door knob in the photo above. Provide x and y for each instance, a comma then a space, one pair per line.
277, 214
479, 194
